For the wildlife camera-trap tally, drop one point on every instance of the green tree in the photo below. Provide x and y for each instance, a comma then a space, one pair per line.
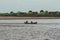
41, 10
30, 10
11, 12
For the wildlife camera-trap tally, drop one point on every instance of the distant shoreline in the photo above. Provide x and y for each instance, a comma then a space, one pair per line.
18, 18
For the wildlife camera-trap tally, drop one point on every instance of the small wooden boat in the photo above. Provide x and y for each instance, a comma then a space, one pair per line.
30, 22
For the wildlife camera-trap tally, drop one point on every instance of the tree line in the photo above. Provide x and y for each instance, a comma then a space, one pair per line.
30, 13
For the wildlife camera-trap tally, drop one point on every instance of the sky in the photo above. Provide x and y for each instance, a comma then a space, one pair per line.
26, 5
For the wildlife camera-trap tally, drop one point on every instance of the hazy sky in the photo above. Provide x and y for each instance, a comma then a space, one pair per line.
25, 5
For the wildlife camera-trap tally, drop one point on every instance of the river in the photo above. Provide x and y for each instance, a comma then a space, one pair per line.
45, 29
42, 22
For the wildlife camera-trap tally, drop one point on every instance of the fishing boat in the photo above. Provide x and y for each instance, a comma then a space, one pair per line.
30, 22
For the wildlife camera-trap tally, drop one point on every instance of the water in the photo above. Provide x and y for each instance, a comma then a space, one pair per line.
17, 30
41, 22
38, 20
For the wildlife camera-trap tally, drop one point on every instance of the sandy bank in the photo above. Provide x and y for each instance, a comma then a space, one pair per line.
14, 18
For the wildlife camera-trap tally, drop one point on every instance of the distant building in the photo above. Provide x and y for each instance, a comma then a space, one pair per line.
34, 12
56, 12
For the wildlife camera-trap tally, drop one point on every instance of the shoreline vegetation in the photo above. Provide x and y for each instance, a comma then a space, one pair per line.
31, 15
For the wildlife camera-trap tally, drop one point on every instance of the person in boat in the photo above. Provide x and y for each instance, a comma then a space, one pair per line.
26, 22
31, 22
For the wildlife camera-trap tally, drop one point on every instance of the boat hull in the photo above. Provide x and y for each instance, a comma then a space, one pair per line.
30, 23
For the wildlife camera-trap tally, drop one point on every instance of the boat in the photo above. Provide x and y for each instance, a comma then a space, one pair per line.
30, 22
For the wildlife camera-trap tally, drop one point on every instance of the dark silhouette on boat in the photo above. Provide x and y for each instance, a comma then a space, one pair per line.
30, 22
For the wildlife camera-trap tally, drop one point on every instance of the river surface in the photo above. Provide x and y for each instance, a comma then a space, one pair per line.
38, 20
41, 22
45, 29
